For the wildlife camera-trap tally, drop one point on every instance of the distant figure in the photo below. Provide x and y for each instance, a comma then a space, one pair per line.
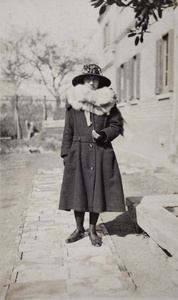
91, 180
30, 129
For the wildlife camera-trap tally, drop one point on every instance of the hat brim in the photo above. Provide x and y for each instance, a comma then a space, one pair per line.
103, 81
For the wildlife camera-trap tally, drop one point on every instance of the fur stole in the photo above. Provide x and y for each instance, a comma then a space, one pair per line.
98, 102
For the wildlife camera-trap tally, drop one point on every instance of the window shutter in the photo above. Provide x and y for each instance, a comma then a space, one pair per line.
157, 89
131, 79
171, 60
119, 84
125, 81
159, 64
138, 77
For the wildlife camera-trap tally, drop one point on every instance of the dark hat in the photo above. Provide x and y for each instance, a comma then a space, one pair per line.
91, 70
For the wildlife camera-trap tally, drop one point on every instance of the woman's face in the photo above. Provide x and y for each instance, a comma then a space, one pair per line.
92, 82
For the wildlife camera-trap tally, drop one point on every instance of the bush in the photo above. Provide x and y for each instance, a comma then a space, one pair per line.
8, 127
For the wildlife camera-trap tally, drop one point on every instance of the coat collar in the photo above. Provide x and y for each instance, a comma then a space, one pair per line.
98, 102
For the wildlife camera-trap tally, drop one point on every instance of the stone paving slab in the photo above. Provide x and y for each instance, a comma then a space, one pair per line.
48, 268
32, 272
151, 216
49, 290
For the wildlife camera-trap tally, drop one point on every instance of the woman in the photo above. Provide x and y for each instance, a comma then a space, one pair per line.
91, 181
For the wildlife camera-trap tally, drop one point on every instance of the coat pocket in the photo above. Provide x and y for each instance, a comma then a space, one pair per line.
70, 162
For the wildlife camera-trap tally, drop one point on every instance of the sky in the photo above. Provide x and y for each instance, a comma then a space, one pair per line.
62, 19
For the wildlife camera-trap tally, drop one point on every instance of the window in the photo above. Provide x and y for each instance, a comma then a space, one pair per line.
129, 80
164, 63
122, 82
134, 93
106, 35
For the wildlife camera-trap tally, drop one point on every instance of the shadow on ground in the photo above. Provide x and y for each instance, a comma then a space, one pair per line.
121, 226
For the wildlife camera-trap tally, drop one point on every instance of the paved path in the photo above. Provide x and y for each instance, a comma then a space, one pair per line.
48, 268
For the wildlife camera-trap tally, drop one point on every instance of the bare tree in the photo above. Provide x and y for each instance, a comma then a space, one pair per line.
14, 69
52, 62
34, 57
143, 9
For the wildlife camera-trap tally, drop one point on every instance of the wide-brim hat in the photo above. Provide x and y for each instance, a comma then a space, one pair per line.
91, 70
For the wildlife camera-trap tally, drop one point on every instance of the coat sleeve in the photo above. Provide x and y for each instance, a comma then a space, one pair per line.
115, 125
67, 133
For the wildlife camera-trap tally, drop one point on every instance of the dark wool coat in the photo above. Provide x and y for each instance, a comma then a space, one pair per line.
91, 180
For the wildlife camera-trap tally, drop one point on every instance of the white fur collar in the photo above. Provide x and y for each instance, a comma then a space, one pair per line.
98, 102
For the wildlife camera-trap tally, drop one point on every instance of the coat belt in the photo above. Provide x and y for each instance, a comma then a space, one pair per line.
82, 139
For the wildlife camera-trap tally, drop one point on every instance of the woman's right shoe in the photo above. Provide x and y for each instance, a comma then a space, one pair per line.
75, 236
95, 239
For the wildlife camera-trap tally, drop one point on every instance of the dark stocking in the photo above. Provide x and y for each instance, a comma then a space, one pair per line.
79, 218
95, 239
93, 220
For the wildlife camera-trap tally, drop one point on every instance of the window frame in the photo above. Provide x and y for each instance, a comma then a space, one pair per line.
128, 78
164, 63
106, 35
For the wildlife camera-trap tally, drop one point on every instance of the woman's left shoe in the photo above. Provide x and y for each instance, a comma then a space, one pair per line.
75, 236
95, 239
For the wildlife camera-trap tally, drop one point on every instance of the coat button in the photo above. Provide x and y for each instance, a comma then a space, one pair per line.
92, 169
91, 146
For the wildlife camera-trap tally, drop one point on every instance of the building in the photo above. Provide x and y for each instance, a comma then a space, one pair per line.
145, 78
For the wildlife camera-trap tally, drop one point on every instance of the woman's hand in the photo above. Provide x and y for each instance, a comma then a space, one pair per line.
99, 136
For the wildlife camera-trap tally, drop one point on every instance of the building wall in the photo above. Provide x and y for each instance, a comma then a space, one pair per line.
151, 129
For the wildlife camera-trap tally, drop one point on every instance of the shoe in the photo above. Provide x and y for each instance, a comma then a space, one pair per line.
75, 236
95, 239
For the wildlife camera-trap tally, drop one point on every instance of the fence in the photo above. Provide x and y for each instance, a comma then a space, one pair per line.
18, 113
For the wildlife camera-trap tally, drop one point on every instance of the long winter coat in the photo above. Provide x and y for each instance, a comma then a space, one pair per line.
91, 180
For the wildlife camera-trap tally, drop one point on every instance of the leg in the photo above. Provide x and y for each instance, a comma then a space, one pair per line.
79, 232
95, 239
79, 218
93, 220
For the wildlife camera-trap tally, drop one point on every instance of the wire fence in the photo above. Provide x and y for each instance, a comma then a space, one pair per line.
17, 113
